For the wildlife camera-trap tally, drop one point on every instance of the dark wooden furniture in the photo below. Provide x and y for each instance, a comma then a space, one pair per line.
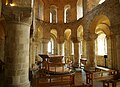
55, 58
55, 80
100, 73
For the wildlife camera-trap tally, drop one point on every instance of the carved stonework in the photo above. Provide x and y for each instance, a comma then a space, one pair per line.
60, 39
18, 14
75, 39
115, 29
88, 36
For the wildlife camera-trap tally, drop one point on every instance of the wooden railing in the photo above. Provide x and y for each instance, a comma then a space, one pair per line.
55, 80
100, 74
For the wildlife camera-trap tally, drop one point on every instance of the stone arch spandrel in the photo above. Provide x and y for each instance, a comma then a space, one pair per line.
101, 19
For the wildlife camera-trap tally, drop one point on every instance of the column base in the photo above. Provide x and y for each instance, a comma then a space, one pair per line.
19, 85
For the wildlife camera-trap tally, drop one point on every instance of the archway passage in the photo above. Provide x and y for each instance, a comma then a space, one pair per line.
100, 35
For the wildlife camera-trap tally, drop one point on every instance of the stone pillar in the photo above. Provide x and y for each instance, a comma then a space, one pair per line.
109, 64
118, 51
76, 54
60, 15
44, 45
90, 48
113, 52
32, 52
46, 13
73, 15
60, 48
17, 46
84, 7
84, 48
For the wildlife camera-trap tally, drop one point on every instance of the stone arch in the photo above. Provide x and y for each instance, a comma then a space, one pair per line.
68, 45
100, 25
67, 34
53, 33
67, 13
80, 32
52, 43
53, 14
101, 19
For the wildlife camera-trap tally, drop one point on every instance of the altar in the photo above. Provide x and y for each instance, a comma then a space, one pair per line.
51, 58
55, 58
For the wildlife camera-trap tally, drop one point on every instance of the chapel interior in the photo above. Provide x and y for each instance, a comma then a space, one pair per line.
59, 43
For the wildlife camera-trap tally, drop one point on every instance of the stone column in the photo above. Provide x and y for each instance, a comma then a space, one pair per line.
84, 7
90, 48
60, 48
44, 45
113, 52
32, 52
17, 46
76, 54
60, 15
118, 51
73, 15
109, 64
83, 48
46, 13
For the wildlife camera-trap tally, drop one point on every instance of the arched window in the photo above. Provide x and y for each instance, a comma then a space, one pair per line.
66, 13
53, 14
102, 44
51, 46
79, 9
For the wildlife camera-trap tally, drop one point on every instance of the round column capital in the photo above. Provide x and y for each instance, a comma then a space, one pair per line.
60, 39
17, 14
89, 36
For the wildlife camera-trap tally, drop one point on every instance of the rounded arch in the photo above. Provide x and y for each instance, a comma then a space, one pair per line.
67, 34
101, 19
104, 28
53, 14
67, 13
52, 44
80, 32
54, 32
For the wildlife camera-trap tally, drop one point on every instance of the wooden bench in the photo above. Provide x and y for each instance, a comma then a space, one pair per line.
110, 83
100, 74
55, 80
